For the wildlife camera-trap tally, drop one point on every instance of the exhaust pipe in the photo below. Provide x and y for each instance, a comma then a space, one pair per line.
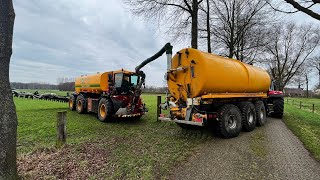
169, 58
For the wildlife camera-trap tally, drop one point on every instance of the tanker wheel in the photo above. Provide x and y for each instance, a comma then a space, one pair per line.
104, 110
248, 116
229, 121
278, 106
72, 103
260, 113
81, 104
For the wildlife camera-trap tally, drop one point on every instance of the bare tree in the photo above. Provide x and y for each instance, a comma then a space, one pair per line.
205, 33
304, 6
177, 13
302, 76
289, 49
8, 117
239, 27
315, 63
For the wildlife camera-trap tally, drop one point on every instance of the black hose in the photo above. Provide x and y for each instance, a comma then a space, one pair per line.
167, 48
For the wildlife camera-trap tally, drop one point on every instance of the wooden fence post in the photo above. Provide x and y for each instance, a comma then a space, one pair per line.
313, 108
61, 128
158, 107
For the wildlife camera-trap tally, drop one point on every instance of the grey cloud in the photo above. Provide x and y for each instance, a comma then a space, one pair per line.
59, 38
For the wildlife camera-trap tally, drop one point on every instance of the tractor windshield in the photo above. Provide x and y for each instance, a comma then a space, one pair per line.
125, 82
134, 80
118, 80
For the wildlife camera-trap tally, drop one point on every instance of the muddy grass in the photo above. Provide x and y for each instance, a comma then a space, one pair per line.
88, 160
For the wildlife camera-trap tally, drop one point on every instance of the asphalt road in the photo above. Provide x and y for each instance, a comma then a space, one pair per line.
269, 152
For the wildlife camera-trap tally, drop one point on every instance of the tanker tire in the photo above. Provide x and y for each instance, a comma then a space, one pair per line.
81, 104
72, 103
104, 110
278, 106
260, 113
248, 116
229, 121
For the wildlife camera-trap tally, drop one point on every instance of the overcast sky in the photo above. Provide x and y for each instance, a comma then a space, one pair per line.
69, 38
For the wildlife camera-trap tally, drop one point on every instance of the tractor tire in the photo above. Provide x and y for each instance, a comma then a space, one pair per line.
261, 117
278, 107
81, 104
248, 116
104, 110
72, 103
229, 121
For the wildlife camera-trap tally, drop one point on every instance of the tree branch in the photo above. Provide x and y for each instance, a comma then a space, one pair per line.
304, 9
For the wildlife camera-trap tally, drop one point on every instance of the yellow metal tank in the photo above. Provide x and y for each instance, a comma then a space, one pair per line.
194, 73
92, 83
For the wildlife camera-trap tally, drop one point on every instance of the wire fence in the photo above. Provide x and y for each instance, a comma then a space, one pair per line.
314, 108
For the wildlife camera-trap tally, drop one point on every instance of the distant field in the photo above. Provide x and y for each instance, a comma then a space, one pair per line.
41, 91
141, 149
306, 103
303, 123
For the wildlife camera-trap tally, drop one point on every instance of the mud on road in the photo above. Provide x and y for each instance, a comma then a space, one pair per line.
269, 152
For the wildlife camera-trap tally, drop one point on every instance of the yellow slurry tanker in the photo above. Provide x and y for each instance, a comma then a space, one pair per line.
109, 94
210, 90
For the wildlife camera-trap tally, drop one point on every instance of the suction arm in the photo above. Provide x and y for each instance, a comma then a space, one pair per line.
167, 48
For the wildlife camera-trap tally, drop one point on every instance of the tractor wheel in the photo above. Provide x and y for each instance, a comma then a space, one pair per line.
229, 121
104, 110
260, 113
278, 106
248, 115
72, 103
81, 104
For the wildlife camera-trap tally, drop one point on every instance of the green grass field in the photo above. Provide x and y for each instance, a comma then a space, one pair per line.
306, 103
304, 124
119, 150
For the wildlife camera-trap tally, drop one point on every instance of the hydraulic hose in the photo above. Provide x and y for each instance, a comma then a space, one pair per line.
167, 48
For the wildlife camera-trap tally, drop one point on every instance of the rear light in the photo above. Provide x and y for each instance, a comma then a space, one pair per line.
275, 92
212, 115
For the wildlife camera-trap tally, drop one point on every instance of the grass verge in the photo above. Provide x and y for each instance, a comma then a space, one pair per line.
306, 126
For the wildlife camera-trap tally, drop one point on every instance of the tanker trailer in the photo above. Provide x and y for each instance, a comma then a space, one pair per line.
109, 94
206, 89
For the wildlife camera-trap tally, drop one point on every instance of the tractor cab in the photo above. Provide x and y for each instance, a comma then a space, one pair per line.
125, 82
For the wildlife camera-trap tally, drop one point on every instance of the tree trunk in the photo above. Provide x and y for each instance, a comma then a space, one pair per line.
307, 83
208, 27
194, 24
319, 75
8, 118
232, 32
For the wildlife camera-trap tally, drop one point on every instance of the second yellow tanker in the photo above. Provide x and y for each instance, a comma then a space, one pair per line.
194, 73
